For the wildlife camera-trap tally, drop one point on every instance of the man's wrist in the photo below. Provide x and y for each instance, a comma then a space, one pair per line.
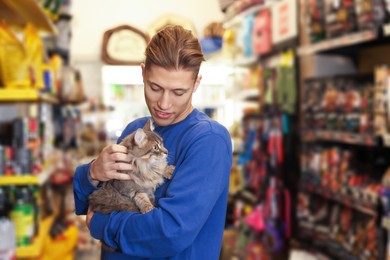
91, 179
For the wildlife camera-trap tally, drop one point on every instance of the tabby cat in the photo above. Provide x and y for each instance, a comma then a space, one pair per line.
149, 159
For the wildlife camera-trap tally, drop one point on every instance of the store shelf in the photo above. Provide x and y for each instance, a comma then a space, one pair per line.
18, 94
327, 248
250, 94
236, 18
244, 61
339, 42
35, 249
25, 95
28, 179
349, 201
339, 137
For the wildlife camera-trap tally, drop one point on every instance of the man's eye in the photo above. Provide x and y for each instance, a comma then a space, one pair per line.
155, 88
179, 93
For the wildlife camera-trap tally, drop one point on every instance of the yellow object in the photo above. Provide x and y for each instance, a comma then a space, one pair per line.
62, 247
34, 46
19, 180
19, 13
56, 64
38, 179
287, 58
230, 49
13, 59
27, 94
34, 250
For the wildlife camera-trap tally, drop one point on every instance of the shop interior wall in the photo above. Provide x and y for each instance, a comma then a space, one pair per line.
92, 18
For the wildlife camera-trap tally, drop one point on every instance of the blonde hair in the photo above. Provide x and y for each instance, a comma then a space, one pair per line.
174, 48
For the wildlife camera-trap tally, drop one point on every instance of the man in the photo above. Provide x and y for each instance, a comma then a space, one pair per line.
188, 221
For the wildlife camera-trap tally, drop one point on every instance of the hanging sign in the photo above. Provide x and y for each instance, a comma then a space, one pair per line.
284, 21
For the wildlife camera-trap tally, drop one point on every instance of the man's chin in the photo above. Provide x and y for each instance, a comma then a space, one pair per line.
161, 122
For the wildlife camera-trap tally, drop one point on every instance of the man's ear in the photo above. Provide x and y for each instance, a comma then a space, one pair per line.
143, 69
197, 82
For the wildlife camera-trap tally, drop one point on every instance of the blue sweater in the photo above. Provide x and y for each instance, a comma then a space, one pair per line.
188, 221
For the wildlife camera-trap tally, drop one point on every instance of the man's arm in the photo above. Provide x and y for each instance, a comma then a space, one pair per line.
201, 179
82, 187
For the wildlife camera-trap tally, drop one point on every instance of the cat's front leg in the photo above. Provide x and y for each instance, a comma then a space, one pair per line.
143, 202
168, 172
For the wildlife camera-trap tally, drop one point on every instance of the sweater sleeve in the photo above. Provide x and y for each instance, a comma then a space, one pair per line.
82, 187
201, 177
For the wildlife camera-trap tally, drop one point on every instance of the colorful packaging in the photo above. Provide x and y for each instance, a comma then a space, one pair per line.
13, 60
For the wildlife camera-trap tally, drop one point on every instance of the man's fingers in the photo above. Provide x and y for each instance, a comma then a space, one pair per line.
119, 157
121, 176
123, 166
116, 148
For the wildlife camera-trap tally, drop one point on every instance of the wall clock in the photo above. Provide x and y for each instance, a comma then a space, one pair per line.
124, 45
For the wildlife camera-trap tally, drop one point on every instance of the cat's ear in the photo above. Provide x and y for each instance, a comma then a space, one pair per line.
140, 137
149, 126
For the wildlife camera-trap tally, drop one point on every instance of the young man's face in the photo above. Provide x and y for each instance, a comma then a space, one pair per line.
168, 94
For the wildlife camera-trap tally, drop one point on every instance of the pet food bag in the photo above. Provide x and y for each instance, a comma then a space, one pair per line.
34, 47
13, 60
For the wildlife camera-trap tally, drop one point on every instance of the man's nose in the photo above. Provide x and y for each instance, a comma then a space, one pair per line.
164, 101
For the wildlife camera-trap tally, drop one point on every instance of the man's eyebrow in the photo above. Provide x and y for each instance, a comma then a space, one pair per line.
153, 83
176, 89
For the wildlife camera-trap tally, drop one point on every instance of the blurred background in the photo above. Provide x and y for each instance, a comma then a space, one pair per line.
302, 86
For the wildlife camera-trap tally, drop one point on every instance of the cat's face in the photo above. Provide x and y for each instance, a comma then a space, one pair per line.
146, 144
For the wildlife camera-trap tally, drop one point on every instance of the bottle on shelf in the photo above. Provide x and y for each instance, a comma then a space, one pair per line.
7, 228
22, 214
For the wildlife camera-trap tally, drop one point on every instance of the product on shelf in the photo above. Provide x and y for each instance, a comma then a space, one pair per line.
35, 53
7, 227
22, 214
316, 20
262, 33
13, 60
370, 14
340, 17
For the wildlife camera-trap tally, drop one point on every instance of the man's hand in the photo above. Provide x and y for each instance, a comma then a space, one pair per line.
113, 158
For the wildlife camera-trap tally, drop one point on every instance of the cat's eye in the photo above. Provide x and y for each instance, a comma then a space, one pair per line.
155, 147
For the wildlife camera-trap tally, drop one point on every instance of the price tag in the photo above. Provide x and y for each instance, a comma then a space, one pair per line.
386, 222
386, 140
386, 29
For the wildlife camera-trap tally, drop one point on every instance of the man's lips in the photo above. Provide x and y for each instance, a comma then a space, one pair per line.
163, 114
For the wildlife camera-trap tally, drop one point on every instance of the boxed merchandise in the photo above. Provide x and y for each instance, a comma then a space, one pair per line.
340, 18
316, 20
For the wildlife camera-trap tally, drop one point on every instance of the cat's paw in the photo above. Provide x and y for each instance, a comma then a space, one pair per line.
146, 209
169, 171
